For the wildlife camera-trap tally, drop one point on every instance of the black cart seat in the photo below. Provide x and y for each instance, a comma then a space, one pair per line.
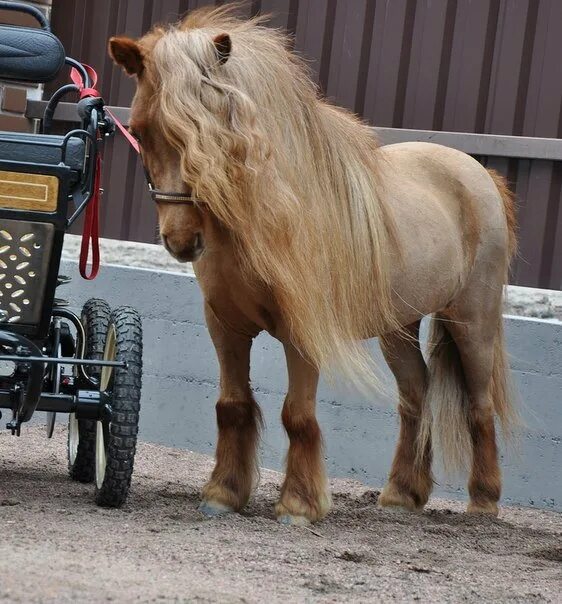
43, 149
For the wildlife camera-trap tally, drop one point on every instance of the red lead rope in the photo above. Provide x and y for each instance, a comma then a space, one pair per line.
130, 138
90, 233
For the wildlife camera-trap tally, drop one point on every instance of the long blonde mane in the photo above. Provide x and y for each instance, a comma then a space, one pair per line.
293, 178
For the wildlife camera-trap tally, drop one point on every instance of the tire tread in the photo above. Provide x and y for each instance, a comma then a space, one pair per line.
123, 428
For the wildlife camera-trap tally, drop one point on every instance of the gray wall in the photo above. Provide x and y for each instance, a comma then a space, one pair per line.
180, 390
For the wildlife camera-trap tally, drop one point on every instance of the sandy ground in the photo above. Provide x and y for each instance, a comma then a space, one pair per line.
523, 301
57, 546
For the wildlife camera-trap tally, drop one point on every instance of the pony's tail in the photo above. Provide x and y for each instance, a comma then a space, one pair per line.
500, 390
445, 420
508, 199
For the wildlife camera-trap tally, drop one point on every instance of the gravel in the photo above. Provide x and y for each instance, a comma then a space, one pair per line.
57, 546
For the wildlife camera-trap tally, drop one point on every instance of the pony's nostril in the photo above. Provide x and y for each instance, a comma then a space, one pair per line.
182, 251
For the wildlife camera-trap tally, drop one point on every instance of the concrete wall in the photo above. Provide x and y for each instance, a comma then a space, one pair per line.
180, 390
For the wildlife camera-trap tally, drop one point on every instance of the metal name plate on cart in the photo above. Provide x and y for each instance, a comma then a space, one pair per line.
28, 191
25, 252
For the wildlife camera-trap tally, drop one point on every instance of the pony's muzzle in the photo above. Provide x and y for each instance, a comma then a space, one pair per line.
182, 251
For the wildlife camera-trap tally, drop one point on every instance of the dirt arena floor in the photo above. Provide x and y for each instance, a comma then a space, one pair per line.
57, 546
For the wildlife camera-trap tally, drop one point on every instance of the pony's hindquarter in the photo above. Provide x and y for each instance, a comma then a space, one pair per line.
468, 378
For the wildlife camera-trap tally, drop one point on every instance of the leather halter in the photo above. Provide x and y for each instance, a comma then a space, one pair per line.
168, 196
171, 196
156, 194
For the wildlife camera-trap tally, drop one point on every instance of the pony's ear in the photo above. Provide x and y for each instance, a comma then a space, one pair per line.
126, 53
223, 46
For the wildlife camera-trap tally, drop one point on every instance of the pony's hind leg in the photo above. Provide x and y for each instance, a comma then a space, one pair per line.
475, 326
410, 480
238, 420
304, 494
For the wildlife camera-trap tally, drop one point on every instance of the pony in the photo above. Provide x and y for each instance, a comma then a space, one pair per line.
301, 225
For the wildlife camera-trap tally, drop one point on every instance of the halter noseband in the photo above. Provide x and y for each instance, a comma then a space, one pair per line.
168, 196
171, 197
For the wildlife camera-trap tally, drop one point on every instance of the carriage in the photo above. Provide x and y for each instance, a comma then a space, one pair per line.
88, 365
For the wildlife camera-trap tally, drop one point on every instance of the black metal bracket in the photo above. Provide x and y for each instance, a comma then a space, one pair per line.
61, 361
86, 404
28, 396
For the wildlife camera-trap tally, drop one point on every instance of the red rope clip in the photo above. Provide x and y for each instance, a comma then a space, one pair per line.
76, 78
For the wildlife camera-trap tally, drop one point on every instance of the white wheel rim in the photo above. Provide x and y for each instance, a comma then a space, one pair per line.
73, 437
100, 455
105, 380
108, 355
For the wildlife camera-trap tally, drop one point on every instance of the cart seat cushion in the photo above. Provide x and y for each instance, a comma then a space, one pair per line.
28, 54
15, 146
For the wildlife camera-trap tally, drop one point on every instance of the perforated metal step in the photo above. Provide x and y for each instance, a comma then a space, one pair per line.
25, 252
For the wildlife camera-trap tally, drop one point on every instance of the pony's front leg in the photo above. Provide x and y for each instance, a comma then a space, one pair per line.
238, 420
304, 494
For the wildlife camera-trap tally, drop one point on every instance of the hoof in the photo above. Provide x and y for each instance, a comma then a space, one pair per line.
489, 508
290, 520
293, 511
210, 509
392, 499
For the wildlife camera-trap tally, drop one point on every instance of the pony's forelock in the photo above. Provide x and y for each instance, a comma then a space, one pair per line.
293, 178
208, 121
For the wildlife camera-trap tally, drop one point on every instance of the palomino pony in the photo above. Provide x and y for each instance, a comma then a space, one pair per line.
297, 223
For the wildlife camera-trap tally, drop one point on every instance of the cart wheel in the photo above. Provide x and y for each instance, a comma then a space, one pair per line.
82, 433
116, 437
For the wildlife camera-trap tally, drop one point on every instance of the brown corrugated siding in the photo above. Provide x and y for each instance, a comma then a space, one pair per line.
489, 66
